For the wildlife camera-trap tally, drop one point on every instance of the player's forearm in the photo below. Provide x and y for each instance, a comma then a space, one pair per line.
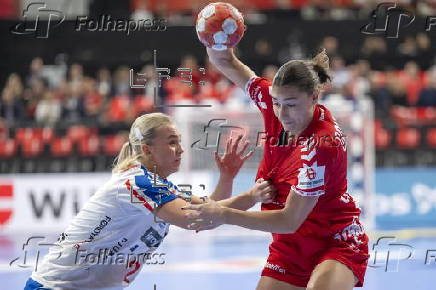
273, 221
242, 201
223, 189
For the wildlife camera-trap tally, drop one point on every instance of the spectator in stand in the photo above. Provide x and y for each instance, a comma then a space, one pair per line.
427, 95
93, 100
396, 88
425, 53
411, 78
36, 67
15, 84
374, 49
104, 82
330, 43
121, 82
32, 95
73, 105
380, 94
48, 110
340, 73
76, 77
11, 107
408, 48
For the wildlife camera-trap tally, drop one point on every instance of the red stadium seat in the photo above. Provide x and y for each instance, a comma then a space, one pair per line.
32, 147
61, 147
142, 104
119, 109
7, 148
43, 134
112, 144
89, 146
77, 133
403, 116
23, 135
431, 137
382, 137
408, 138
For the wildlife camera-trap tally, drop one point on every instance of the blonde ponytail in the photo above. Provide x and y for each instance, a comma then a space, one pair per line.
143, 131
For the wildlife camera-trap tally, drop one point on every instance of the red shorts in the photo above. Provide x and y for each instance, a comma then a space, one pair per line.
293, 257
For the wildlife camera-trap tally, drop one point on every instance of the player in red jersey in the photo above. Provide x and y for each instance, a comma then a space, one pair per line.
318, 241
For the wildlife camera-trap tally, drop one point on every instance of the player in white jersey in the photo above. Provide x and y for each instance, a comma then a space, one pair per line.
118, 229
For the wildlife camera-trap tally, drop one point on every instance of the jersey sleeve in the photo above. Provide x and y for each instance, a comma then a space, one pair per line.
145, 193
316, 165
259, 90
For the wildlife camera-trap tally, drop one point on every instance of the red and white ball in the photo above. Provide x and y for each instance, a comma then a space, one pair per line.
220, 26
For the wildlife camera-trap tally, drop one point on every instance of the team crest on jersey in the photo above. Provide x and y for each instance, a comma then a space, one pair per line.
151, 238
311, 177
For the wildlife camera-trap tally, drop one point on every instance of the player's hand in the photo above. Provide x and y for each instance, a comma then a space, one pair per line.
263, 191
206, 216
232, 160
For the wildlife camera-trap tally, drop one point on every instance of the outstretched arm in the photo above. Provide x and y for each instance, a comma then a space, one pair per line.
230, 66
286, 220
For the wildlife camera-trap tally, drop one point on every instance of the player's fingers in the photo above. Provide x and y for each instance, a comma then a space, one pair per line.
260, 180
236, 144
249, 154
217, 157
228, 145
192, 216
196, 207
264, 184
244, 147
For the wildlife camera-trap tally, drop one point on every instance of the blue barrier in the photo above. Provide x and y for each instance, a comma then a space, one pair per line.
406, 198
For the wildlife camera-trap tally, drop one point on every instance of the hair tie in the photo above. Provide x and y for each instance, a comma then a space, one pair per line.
138, 134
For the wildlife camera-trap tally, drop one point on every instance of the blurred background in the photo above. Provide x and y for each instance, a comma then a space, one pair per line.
68, 97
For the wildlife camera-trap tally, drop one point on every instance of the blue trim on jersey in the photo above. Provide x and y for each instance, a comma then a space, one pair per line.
160, 195
33, 285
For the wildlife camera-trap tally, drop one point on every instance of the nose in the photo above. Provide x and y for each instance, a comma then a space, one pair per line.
282, 113
181, 149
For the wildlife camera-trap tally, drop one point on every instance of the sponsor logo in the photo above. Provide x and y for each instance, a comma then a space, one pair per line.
117, 247
307, 175
103, 223
275, 267
310, 173
151, 238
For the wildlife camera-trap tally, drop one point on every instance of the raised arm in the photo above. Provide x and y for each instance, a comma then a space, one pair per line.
230, 66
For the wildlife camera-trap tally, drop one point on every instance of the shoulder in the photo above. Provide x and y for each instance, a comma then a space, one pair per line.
257, 85
326, 133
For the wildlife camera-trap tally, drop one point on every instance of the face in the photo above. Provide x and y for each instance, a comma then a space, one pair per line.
165, 151
293, 107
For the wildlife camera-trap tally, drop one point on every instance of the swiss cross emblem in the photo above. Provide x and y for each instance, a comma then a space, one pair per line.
310, 173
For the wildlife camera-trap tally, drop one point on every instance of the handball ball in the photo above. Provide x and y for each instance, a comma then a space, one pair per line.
220, 26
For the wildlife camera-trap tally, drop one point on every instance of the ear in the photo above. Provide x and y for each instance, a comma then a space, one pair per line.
146, 149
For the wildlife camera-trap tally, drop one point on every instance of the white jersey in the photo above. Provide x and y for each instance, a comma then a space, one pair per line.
112, 236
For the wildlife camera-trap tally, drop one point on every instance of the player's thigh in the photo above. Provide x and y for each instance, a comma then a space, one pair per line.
268, 283
331, 275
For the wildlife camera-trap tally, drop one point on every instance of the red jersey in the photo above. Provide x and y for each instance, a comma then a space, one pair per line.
314, 164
